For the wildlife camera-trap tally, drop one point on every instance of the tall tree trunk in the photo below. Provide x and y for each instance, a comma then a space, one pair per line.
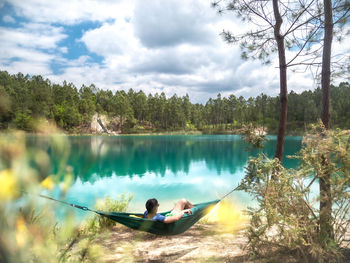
283, 82
326, 229
326, 63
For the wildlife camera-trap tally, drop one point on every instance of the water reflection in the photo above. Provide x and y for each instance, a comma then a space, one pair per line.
138, 155
198, 167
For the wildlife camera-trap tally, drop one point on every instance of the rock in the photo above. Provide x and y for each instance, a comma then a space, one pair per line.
95, 126
102, 124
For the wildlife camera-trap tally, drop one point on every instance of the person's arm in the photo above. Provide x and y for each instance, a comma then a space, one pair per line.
170, 219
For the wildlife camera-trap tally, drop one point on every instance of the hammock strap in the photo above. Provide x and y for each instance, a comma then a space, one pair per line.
234, 189
84, 208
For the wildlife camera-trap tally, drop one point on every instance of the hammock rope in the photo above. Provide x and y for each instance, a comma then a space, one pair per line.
84, 208
234, 189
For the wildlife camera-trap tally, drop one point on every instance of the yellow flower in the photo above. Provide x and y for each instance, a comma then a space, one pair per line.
8, 182
21, 232
48, 183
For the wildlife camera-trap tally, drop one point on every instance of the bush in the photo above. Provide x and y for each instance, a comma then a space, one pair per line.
253, 135
24, 120
99, 223
287, 217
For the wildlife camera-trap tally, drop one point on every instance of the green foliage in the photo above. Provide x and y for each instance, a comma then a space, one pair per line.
5, 105
24, 99
87, 103
286, 218
253, 135
190, 126
122, 106
24, 120
99, 223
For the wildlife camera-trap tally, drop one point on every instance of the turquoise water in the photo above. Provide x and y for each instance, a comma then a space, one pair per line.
197, 167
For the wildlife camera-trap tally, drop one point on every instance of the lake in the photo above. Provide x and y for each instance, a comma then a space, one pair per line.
197, 167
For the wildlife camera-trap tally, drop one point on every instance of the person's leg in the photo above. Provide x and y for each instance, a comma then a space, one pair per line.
182, 204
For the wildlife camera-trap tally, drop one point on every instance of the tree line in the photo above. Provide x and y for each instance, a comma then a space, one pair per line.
23, 99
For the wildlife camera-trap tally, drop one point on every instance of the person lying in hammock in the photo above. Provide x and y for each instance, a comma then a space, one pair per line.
182, 206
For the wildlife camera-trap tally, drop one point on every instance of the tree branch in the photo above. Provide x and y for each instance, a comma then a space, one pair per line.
303, 46
297, 18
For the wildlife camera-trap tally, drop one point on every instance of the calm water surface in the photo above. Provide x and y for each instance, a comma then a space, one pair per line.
198, 167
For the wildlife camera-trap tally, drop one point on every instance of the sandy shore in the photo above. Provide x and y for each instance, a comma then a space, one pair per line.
201, 243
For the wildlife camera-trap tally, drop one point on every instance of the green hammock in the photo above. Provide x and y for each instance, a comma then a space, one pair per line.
137, 222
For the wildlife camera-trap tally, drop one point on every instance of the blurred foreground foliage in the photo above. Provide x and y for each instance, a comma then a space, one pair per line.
286, 218
29, 231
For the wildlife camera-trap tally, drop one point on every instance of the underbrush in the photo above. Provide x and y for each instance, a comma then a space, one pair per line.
99, 223
287, 218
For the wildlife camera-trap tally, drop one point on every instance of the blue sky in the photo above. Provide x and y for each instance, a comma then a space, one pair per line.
171, 46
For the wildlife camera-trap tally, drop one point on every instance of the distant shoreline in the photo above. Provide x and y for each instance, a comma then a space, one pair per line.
235, 132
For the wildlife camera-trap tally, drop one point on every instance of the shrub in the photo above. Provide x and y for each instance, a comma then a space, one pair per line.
24, 120
253, 135
99, 223
286, 218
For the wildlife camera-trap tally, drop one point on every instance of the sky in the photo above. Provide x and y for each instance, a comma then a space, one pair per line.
170, 46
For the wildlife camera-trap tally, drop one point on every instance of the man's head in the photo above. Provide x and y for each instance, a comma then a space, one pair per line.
152, 205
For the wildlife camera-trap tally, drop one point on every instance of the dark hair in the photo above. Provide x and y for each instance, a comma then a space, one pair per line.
150, 204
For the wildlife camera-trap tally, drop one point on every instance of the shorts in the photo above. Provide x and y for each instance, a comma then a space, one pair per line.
172, 213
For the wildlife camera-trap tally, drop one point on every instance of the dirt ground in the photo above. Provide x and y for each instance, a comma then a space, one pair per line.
201, 243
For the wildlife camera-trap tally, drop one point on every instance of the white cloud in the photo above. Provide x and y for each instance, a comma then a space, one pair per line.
167, 23
111, 39
8, 19
9, 52
29, 48
182, 68
28, 67
200, 71
63, 49
84, 71
157, 46
189, 67
33, 35
71, 12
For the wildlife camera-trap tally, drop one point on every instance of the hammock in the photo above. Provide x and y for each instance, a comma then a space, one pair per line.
137, 222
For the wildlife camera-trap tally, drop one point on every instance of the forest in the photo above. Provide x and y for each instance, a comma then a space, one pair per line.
25, 98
